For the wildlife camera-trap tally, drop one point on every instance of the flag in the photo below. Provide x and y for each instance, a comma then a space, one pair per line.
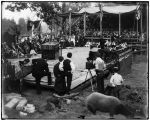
29, 25
36, 24
37, 27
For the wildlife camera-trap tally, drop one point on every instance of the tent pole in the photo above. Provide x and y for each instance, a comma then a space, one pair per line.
141, 23
70, 24
147, 17
137, 30
100, 19
84, 24
119, 24
100, 24
141, 30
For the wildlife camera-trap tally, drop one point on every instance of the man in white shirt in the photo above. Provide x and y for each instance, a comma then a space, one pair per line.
116, 81
100, 66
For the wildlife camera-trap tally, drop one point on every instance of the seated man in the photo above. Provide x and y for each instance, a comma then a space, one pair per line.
40, 69
116, 81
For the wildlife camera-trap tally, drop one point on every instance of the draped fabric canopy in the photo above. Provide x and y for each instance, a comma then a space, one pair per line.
120, 9
110, 9
90, 10
114, 9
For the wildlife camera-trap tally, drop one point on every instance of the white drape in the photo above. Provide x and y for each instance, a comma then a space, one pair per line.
115, 9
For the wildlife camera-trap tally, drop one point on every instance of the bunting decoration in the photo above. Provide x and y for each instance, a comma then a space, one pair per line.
35, 26
29, 25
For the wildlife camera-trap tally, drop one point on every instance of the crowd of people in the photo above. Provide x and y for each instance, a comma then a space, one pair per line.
112, 45
23, 47
63, 70
108, 33
32, 45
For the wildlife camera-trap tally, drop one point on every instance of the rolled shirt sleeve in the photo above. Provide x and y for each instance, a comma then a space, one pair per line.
61, 66
72, 66
112, 81
104, 65
122, 80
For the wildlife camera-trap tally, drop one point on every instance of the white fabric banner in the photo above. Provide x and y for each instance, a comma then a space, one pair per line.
115, 9
119, 9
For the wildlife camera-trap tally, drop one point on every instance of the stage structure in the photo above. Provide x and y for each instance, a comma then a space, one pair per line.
103, 9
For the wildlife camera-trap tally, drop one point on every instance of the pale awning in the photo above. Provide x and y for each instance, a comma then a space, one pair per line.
120, 9
115, 9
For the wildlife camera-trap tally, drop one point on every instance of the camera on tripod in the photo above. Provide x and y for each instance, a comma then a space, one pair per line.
90, 64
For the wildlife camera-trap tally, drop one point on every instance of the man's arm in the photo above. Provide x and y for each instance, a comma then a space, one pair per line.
61, 66
72, 66
112, 81
104, 65
46, 67
122, 79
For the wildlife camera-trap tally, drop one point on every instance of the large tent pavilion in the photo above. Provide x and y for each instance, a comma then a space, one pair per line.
101, 11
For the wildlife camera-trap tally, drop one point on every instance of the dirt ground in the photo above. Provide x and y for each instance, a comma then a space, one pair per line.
73, 110
76, 108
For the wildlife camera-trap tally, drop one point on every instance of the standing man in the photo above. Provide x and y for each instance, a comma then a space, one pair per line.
99, 68
68, 67
60, 84
39, 70
116, 81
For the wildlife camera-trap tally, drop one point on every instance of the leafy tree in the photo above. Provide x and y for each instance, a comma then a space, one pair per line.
22, 25
48, 11
44, 10
76, 6
10, 30
8, 26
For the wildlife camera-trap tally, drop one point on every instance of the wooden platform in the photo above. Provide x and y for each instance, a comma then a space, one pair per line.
81, 81
78, 82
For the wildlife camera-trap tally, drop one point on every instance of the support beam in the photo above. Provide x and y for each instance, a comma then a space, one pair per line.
141, 23
119, 24
147, 22
137, 29
141, 29
84, 24
101, 23
101, 16
70, 24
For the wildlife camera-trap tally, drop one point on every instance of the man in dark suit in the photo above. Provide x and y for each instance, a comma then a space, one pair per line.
68, 67
60, 84
40, 69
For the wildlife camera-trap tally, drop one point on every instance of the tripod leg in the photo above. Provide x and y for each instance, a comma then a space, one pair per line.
86, 76
91, 80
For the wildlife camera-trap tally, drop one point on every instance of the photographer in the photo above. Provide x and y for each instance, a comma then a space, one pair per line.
40, 69
100, 66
